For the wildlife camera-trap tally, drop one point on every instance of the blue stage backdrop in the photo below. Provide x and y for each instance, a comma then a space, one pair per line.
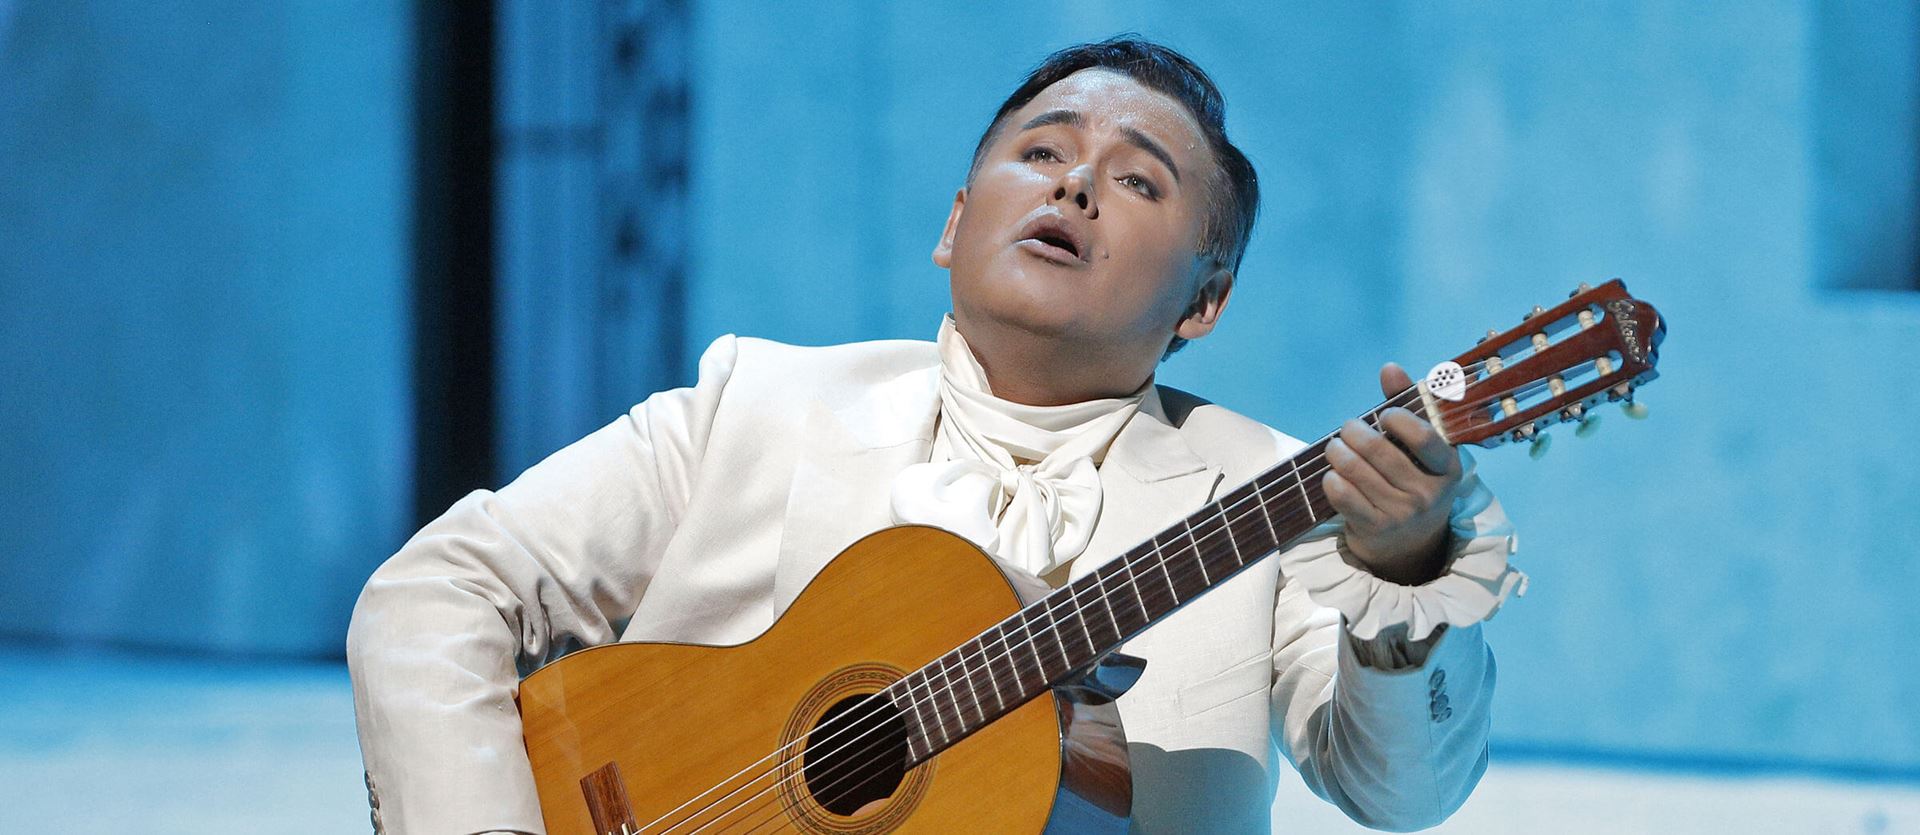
204, 378
1725, 582
204, 283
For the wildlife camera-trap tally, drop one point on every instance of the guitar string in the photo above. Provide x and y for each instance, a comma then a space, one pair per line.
1212, 551
1070, 601
1053, 601
959, 710
1033, 642
1471, 368
849, 768
1216, 552
776, 752
1204, 555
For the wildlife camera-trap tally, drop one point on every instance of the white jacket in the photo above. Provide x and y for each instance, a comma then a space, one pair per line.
701, 514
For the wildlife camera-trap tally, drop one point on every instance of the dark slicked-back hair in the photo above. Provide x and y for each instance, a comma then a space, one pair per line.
1233, 191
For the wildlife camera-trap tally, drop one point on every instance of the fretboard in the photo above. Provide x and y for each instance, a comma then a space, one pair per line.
1056, 639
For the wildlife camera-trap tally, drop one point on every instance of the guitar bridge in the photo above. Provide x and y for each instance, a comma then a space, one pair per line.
607, 801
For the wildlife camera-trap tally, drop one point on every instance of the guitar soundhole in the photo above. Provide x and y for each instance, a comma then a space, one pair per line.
857, 754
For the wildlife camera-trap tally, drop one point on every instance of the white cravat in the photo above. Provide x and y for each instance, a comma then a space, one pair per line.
1034, 515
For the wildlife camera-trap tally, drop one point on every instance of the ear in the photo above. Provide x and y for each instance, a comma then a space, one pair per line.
943, 251
1208, 304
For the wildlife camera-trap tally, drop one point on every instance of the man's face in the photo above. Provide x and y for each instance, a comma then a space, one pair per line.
1083, 220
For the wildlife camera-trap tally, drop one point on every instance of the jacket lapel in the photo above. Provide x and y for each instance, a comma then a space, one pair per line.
1150, 479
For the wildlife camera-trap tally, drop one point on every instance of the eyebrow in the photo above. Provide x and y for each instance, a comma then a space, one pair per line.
1072, 118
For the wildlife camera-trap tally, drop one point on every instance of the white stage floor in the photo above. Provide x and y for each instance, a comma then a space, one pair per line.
157, 745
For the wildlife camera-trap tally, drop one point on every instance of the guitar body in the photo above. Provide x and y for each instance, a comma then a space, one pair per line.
779, 734
624, 735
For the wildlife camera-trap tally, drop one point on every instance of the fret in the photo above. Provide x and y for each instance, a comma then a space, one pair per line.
1265, 512
1301, 485
919, 720
966, 678
1013, 665
1053, 618
1162, 560
1005, 653
1090, 592
1025, 682
1073, 602
953, 698
1115, 571
1219, 562
1255, 541
1033, 645
966, 675
987, 662
1133, 582
1190, 573
1233, 545
940, 721
1199, 556
1100, 589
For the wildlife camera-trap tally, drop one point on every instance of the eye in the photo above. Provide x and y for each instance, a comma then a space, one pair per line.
1040, 154
1140, 184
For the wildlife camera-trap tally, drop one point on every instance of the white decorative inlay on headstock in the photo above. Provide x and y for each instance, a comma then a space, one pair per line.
1447, 381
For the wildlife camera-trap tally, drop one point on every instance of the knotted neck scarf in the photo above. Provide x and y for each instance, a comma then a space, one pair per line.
1019, 481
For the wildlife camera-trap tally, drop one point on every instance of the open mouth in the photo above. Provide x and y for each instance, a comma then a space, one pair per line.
1059, 242
1051, 238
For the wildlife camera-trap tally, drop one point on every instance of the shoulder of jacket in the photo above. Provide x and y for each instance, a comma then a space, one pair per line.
1223, 436
781, 370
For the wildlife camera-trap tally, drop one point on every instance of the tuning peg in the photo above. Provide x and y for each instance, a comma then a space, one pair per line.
1588, 425
1491, 333
1537, 310
1584, 287
1540, 446
1634, 410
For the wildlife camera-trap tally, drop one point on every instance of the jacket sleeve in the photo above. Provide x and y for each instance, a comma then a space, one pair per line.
557, 557
1396, 749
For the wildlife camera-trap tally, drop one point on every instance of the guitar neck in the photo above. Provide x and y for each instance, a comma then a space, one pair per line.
1057, 639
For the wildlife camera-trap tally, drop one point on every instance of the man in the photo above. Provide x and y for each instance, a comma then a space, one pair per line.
1099, 229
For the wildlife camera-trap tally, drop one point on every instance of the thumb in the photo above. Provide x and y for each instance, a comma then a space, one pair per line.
1394, 379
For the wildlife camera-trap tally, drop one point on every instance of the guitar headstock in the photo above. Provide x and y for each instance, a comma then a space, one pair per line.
1557, 366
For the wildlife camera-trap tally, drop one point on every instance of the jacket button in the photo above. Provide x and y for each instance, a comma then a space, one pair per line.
1438, 679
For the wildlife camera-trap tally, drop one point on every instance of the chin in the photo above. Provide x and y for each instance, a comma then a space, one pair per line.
1017, 308
1024, 293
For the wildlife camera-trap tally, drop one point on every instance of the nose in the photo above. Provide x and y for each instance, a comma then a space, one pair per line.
1077, 186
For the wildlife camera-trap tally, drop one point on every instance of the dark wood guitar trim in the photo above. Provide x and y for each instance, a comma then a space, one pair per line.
607, 801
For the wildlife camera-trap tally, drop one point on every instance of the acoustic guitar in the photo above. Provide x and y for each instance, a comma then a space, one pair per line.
995, 712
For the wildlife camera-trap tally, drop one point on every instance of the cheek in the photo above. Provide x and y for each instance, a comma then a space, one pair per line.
980, 224
1153, 268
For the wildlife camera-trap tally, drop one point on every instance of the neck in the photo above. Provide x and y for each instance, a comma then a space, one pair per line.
1036, 369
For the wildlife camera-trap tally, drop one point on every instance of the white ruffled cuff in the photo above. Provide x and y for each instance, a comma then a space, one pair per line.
1477, 581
